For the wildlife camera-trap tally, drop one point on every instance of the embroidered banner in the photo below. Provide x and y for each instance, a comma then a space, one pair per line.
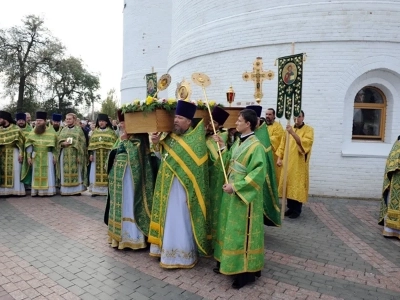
290, 80
151, 84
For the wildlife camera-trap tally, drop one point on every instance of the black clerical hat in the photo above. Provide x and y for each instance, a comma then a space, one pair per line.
219, 115
256, 108
185, 109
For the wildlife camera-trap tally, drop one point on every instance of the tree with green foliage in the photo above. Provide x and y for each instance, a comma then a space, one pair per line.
70, 85
110, 105
26, 52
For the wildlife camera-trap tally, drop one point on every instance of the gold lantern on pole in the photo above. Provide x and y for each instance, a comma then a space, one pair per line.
230, 96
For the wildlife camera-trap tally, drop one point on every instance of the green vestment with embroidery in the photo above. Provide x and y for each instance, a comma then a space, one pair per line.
10, 138
217, 180
240, 234
270, 189
134, 153
390, 203
72, 154
42, 144
26, 130
185, 157
101, 142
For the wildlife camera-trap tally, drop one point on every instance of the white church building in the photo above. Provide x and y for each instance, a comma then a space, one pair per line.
351, 79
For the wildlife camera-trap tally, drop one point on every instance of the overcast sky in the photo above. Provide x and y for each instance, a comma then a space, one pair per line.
89, 29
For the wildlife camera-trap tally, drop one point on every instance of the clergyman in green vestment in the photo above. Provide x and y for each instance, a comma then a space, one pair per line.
239, 248
179, 228
272, 212
389, 215
100, 144
130, 191
215, 170
41, 151
72, 152
21, 122
11, 156
55, 123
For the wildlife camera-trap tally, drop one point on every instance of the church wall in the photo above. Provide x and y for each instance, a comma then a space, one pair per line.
146, 38
349, 45
333, 74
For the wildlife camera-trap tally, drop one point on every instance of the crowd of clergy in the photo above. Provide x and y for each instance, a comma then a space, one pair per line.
200, 190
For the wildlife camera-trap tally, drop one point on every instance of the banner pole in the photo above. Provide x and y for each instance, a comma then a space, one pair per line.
286, 160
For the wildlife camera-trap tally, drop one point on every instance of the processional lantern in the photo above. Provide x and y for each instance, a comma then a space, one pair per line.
230, 96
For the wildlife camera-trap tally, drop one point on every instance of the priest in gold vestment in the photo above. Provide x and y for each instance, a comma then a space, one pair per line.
301, 139
276, 132
239, 248
11, 156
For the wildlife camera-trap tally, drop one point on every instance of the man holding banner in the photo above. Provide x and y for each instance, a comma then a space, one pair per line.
301, 139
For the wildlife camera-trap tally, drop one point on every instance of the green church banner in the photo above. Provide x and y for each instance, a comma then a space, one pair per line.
151, 84
290, 80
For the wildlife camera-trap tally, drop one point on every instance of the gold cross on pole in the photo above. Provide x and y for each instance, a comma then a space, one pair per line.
258, 76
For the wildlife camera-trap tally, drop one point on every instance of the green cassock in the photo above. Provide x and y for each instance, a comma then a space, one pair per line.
272, 215
10, 138
217, 180
71, 154
184, 156
26, 130
240, 233
390, 203
42, 144
101, 142
135, 153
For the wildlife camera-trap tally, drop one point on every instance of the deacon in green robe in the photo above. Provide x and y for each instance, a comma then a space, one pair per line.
55, 123
389, 215
11, 156
240, 233
130, 194
72, 153
100, 144
41, 150
179, 228
22, 124
272, 215
215, 170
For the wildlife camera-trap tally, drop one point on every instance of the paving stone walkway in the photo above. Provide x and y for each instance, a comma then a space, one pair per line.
56, 248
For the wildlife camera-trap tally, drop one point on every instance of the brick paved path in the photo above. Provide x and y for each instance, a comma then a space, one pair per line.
56, 248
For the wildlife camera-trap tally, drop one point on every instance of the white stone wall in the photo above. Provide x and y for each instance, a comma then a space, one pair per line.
147, 36
349, 44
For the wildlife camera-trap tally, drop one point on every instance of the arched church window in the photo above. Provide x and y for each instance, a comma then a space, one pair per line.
369, 114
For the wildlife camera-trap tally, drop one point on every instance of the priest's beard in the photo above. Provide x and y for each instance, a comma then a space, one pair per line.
179, 131
56, 127
21, 125
40, 129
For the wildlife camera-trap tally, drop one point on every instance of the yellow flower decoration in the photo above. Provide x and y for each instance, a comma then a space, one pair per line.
149, 100
171, 101
136, 101
211, 103
200, 103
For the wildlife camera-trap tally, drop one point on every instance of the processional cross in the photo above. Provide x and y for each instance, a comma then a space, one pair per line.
258, 76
